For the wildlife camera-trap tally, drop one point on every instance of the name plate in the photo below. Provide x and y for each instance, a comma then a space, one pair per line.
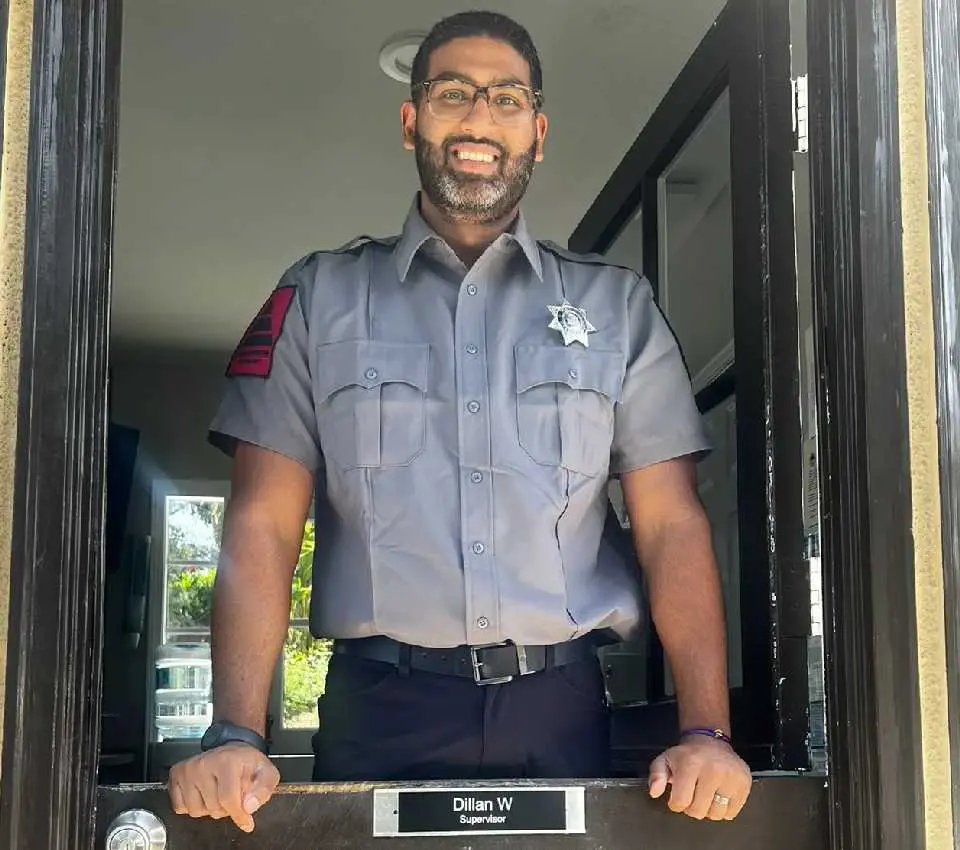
493, 810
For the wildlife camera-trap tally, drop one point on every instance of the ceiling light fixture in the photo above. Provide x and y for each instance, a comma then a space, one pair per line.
396, 56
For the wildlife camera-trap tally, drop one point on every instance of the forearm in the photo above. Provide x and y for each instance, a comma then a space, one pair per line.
687, 608
251, 612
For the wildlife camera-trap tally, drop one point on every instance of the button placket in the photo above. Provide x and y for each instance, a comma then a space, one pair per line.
474, 433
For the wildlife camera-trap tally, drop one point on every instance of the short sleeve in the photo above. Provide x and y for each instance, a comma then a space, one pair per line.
268, 399
657, 418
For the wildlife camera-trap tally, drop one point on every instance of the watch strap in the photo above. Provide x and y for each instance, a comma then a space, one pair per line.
222, 732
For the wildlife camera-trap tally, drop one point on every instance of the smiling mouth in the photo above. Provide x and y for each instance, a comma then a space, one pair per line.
474, 156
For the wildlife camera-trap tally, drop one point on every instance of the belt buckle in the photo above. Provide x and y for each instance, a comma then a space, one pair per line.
478, 677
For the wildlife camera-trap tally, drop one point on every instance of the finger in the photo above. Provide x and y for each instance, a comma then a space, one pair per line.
263, 782
659, 776
683, 786
211, 797
228, 787
176, 797
703, 798
718, 811
193, 800
738, 801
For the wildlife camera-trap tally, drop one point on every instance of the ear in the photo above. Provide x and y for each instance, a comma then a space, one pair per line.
542, 125
408, 123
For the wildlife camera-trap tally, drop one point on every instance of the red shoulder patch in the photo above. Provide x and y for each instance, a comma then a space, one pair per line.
254, 355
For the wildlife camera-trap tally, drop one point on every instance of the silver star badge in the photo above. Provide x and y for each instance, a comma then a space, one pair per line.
572, 323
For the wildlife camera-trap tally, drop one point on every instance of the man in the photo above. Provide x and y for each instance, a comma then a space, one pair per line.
458, 397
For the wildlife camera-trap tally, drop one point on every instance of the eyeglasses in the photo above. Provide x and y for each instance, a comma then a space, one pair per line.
453, 100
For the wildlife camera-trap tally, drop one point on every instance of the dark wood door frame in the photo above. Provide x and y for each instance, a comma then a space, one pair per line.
868, 564
52, 707
53, 666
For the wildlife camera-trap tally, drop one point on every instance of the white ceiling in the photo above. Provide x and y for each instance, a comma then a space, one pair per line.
253, 132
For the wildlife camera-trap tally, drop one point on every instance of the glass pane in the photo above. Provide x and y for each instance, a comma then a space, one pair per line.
808, 401
695, 290
305, 660
193, 526
189, 597
695, 221
183, 706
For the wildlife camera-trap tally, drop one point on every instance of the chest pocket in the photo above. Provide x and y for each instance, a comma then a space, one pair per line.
370, 399
565, 405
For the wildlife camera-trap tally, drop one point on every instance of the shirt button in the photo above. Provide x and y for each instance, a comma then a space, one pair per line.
471, 349
478, 548
573, 373
476, 477
370, 374
482, 622
471, 289
474, 407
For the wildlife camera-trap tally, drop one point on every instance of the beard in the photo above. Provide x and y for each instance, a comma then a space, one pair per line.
472, 198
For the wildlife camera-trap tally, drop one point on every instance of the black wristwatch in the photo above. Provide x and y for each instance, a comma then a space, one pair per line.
221, 733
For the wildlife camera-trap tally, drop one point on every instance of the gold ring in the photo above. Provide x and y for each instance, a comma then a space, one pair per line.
720, 800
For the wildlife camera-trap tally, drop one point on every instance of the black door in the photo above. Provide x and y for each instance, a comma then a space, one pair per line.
703, 206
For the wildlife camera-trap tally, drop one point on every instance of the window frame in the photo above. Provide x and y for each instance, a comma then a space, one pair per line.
283, 742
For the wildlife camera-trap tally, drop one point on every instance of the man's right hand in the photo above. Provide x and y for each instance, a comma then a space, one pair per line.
230, 781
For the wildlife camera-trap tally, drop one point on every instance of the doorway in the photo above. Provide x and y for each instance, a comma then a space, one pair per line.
85, 621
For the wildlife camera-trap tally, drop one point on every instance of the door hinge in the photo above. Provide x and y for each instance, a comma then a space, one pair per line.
801, 127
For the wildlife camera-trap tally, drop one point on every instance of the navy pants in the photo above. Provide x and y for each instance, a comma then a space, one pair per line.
377, 724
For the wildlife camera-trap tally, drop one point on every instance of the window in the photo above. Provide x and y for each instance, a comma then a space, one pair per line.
189, 522
303, 671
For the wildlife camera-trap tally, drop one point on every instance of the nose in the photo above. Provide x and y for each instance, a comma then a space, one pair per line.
478, 117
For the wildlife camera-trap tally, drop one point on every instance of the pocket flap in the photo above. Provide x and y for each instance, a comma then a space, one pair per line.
578, 368
370, 363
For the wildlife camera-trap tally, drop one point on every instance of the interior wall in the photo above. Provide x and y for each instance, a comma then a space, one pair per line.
170, 397
13, 211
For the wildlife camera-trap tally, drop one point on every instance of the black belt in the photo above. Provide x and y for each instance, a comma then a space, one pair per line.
490, 664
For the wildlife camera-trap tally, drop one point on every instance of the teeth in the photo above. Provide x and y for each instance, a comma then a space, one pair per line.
475, 157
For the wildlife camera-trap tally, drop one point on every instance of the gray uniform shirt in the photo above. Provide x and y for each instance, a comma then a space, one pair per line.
461, 449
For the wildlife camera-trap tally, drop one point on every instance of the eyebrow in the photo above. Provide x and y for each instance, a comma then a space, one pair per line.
453, 76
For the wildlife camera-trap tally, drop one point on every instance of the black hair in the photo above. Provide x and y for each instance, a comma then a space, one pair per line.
470, 25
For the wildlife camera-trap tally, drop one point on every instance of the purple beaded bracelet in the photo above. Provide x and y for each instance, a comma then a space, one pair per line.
707, 732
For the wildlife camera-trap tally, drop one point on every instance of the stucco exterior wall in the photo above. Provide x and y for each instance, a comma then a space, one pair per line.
13, 205
922, 418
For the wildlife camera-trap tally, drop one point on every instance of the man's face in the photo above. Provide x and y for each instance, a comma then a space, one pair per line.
474, 169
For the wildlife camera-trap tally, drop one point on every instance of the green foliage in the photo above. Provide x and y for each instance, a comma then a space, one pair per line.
305, 659
190, 596
303, 576
305, 663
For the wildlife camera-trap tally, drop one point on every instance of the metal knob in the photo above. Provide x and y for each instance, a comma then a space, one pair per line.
137, 829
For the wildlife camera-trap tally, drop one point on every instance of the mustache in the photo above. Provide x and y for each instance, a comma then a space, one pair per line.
473, 140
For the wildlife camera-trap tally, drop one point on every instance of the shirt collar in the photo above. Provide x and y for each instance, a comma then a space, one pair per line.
416, 232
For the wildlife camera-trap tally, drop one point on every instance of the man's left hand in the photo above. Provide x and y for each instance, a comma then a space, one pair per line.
707, 778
